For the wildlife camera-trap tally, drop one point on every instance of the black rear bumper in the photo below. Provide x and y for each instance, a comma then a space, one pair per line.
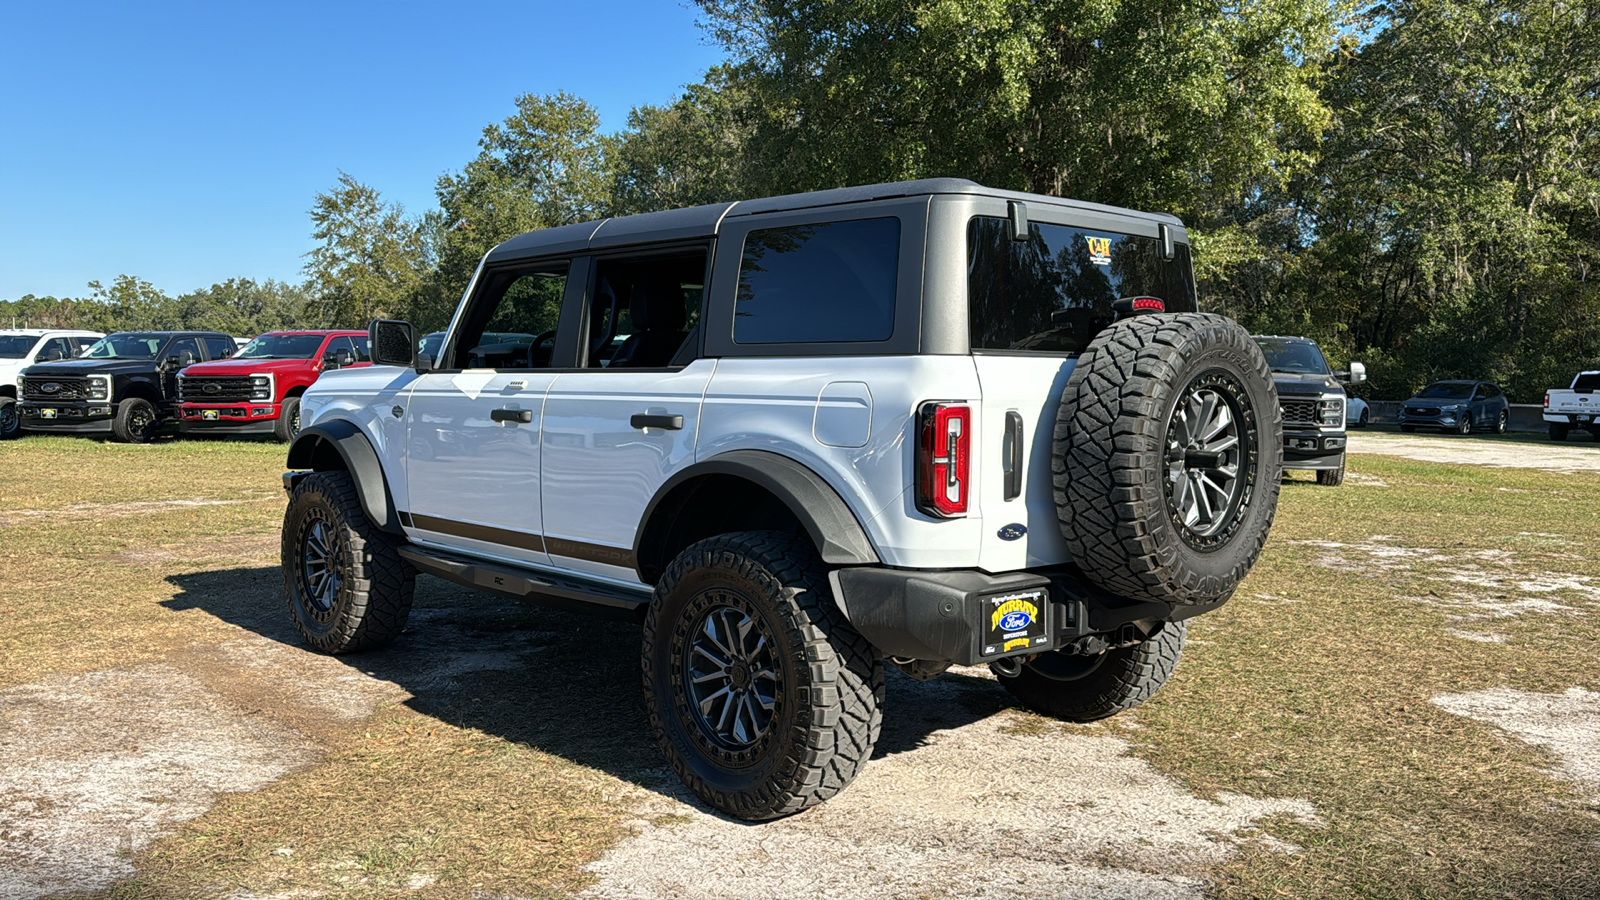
951, 615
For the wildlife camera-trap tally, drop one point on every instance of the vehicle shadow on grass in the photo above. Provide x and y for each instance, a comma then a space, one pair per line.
565, 683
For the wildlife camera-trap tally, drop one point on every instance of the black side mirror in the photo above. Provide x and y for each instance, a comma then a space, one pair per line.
392, 343
338, 359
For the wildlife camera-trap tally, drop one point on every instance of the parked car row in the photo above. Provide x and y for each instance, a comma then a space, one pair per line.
131, 384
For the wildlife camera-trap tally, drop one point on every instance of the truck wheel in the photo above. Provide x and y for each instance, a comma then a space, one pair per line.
1558, 431
347, 587
10, 422
1086, 688
135, 421
1332, 477
1168, 457
762, 696
287, 428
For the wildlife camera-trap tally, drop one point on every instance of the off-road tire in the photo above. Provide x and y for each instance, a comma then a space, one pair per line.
826, 713
372, 596
1559, 430
1332, 477
1113, 495
135, 422
287, 428
1084, 689
10, 422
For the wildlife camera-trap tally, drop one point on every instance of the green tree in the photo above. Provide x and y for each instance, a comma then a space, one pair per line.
245, 308
132, 303
371, 260
689, 153
1144, 104
543, 166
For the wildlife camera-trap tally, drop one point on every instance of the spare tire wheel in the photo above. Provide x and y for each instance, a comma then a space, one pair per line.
1167, 457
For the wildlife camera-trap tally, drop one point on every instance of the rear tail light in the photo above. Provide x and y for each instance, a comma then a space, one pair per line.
944, 458
1546, 399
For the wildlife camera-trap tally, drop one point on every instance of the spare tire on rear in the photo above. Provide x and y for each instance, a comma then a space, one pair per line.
1167, 457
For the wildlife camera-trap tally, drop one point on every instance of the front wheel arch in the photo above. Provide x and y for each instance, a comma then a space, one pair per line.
338, 445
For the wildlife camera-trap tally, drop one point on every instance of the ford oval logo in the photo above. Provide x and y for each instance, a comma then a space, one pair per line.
212, 388
1013, 531
1016, 620
49, 387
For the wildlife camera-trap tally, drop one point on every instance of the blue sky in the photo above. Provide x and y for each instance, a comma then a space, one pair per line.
183, 143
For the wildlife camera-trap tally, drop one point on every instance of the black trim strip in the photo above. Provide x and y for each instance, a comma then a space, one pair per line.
524, 540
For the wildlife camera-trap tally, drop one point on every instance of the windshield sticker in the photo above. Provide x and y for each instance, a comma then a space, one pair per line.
1099, 250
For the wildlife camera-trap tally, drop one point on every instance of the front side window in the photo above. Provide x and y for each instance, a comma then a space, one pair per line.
126, 345
220, 347
281, 346
1053, 292
184, 345
823, 283
513, 323
55, 348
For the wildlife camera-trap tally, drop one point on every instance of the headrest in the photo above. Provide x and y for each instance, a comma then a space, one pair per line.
657, 304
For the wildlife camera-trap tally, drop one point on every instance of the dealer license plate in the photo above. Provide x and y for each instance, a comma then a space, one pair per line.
210, 415
1580, 418
47, 414
1015, 623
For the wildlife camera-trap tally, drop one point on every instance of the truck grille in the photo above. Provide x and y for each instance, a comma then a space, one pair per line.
214, 389
1422, 410
1298, 412
46, 388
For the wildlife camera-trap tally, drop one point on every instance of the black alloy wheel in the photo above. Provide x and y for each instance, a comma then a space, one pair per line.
735, 684
320, 553
1211, 437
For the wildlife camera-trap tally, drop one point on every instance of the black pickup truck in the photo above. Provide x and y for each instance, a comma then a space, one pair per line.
125, 384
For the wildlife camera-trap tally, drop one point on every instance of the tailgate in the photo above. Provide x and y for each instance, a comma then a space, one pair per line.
1021, 395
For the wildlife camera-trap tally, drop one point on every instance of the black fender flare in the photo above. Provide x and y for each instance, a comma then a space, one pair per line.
833, 528
360, 460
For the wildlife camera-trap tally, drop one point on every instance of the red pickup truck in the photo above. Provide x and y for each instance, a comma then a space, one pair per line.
257, 390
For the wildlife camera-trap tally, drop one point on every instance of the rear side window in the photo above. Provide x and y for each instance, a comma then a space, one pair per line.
1053, 292
823, 283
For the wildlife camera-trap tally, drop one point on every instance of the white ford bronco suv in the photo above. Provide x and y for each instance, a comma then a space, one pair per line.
802, 437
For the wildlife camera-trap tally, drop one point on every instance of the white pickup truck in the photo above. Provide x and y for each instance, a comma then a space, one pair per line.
1574, 407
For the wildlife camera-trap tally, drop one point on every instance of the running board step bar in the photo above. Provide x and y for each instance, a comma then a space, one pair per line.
565, 591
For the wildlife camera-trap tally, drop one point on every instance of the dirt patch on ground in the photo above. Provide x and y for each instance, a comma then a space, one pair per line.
94, 766
1554, 457
1566, 724
112, 510
954, 805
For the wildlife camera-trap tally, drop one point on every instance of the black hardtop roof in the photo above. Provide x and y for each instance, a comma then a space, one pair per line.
703, 221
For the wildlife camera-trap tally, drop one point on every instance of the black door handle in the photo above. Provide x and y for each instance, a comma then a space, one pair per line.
670, 423
512, 415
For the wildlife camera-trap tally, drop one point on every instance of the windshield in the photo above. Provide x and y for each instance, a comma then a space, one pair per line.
1298, 357
281, 346
16, 346
1445, 390
1053, 292
127, 345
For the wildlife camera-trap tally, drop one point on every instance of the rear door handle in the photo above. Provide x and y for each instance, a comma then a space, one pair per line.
670, 423
512, 415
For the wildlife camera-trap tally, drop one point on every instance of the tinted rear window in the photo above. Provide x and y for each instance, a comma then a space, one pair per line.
1053, 292
1588, 381
823, 283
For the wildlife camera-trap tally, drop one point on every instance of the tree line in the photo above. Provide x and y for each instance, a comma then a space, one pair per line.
1413, 184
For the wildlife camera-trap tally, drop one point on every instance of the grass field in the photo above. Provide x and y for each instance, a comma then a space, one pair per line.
497, 749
